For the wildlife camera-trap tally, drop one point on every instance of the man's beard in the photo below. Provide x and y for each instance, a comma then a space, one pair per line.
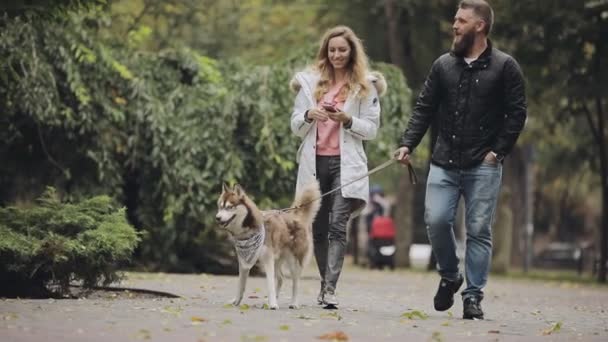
463, 47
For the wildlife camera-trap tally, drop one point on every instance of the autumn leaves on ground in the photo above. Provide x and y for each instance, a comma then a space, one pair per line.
376, 305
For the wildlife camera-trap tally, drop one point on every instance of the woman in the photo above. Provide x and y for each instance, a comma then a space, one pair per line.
335, 110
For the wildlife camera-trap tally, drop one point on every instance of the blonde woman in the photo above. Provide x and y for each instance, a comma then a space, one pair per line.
335, 110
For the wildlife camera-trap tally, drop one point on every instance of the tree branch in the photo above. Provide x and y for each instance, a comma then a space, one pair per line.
48, 155
592, 127
139, 17
600, 118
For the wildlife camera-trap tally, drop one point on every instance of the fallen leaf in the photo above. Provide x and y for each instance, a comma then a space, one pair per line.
445, 324
305, 317
254, 338
143, 334
172, 310
332, 315
228, 306
197, 319
415, 314
556, 327
493, 331
334, 336
436, 336
284, 327
253, 297
227, 321
10, 316
244, 307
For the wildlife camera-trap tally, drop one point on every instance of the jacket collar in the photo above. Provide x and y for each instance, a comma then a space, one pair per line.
482, 61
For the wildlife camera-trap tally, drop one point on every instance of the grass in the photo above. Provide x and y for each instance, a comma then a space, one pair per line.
552, 275
559, 276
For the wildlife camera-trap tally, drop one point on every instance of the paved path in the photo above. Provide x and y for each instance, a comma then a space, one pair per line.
374, 304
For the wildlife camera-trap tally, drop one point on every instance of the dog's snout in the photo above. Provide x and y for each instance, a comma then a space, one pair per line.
218, 218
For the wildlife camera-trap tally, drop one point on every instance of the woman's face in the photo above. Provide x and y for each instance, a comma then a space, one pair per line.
338, 52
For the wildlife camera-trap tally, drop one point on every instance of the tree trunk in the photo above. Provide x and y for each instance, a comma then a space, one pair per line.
513, 182
528, 192
404, 206
403, 221
601, 275
395, 47
502, 234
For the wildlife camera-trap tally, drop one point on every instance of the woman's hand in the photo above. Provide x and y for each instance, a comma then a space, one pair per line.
317, 114
339, 116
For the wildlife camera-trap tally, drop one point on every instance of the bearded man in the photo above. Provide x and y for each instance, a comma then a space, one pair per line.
475, 95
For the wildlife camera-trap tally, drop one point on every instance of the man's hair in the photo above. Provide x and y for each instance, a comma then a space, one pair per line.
483, 10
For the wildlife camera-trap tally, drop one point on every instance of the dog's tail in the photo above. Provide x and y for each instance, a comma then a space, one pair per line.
308, 202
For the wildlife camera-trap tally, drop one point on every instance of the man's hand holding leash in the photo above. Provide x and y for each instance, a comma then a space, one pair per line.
402, 155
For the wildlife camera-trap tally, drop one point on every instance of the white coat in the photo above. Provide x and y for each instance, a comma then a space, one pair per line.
365, 114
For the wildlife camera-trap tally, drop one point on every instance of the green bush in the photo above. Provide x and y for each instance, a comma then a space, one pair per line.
54, 244
156, 130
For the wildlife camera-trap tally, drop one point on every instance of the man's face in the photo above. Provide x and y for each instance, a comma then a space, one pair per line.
466, 26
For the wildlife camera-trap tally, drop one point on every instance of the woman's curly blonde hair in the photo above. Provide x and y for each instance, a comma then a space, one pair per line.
357, 67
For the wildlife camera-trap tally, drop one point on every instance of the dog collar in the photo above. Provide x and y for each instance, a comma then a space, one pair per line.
248, 250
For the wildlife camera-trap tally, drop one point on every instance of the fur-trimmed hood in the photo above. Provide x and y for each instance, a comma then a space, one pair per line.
375, 77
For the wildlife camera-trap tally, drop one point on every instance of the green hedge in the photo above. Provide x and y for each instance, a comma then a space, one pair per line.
157, 131
52, 244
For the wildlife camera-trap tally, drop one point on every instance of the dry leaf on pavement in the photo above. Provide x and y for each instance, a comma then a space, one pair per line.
334, 336
197, 319
556, 327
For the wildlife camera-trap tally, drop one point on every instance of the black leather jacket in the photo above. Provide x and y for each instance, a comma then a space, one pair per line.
478, 108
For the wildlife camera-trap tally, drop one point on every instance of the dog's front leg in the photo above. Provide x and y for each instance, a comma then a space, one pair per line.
240, 290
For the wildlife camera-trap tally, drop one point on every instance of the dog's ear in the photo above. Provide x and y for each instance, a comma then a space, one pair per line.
238, 190
225, 187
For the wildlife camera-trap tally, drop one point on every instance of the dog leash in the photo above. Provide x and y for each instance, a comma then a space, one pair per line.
410, 168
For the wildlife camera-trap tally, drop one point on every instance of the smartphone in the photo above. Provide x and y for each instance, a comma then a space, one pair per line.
329, 107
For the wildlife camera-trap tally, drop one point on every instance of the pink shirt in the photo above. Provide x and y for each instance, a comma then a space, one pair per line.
328, 132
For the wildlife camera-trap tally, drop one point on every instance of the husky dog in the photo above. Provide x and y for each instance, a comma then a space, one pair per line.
273, 237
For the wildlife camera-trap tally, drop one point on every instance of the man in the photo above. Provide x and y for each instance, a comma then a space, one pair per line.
475, 95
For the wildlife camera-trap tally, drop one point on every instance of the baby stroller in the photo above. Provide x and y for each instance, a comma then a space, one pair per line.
381, 243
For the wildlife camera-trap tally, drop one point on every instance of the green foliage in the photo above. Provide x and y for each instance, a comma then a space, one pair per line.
55, 243
396, 110
256, 30
561, 52
159, 130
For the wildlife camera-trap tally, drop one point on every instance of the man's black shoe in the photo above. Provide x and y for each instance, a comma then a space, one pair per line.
472, 308
444, 299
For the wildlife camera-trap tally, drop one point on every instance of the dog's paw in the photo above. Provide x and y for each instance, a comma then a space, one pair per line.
294, 306
274, 306
235, 301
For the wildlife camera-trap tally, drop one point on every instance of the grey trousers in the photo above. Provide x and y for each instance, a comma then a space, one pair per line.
329, 227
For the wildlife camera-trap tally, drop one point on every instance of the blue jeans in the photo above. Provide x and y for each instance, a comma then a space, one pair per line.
479, 186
